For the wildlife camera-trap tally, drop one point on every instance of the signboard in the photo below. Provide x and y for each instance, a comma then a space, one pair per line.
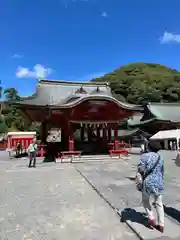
54, 135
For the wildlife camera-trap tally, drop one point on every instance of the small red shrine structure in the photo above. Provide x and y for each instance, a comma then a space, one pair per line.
25, 138
70, 106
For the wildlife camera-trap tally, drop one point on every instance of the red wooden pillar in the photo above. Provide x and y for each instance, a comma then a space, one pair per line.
41, 151
116, 137
70, 139
9, 142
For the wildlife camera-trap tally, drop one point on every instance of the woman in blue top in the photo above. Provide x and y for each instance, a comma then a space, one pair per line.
153, 184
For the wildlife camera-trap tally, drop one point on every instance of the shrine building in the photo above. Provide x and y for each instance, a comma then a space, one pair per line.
76, 115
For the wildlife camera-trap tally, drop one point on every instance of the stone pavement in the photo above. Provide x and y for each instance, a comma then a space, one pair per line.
70, 201
53, 202
113, 181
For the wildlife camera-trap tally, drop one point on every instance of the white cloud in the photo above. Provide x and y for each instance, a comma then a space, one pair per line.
16, 55
170, 38
104, 14
38, 71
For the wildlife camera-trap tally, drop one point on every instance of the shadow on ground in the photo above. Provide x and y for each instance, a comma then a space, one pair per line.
173, 213
129, 214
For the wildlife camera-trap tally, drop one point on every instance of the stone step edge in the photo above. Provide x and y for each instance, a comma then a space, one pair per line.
87, 160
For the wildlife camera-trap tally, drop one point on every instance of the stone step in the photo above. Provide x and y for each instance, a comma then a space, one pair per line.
92, 158
136, 220
95, 156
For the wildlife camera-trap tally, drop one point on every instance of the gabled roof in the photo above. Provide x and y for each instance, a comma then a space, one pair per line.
50, 93
66, 94
165, 111
169, 112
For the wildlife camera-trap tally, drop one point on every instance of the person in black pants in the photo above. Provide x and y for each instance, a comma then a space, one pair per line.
32, 152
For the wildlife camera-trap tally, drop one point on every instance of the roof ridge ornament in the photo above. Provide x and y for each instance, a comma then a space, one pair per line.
81, 90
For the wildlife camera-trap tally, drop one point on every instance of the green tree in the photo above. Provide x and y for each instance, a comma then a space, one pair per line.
144, 82
3, 127
11, 94
13, 116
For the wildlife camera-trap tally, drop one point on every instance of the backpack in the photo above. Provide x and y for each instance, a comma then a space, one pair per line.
139, 181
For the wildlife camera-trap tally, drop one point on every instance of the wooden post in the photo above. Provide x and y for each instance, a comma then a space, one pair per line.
109, 135
116, 134
98, 132
89, 132
9, 142
104, 134
70, 139
82, 133
41, 151
44, 131
116, 143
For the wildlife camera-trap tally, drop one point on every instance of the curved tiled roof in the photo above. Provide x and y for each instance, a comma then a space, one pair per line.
169, 112
64, 94
165, 111
98, 97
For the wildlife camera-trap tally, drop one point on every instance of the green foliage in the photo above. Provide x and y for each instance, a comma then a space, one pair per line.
35, 127
1, 91
3, 126
143, 82
12, 117
11, 94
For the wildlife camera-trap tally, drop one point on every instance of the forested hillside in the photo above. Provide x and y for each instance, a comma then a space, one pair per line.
142, 82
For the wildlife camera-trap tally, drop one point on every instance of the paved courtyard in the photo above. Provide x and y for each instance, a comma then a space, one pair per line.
53, 202
79, 201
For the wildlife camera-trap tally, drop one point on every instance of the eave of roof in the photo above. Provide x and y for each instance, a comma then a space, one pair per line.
57, 82
165, 111
80, 100
136, 120
99, 97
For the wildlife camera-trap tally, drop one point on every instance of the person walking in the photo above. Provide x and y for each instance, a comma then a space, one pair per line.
32, 153
151, 167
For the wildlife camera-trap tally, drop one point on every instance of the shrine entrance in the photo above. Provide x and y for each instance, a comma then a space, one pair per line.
92, 138
89, 127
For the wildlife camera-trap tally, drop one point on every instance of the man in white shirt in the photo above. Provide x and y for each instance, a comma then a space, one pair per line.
32, 153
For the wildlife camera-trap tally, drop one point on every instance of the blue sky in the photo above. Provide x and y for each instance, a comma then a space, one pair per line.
82, 39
